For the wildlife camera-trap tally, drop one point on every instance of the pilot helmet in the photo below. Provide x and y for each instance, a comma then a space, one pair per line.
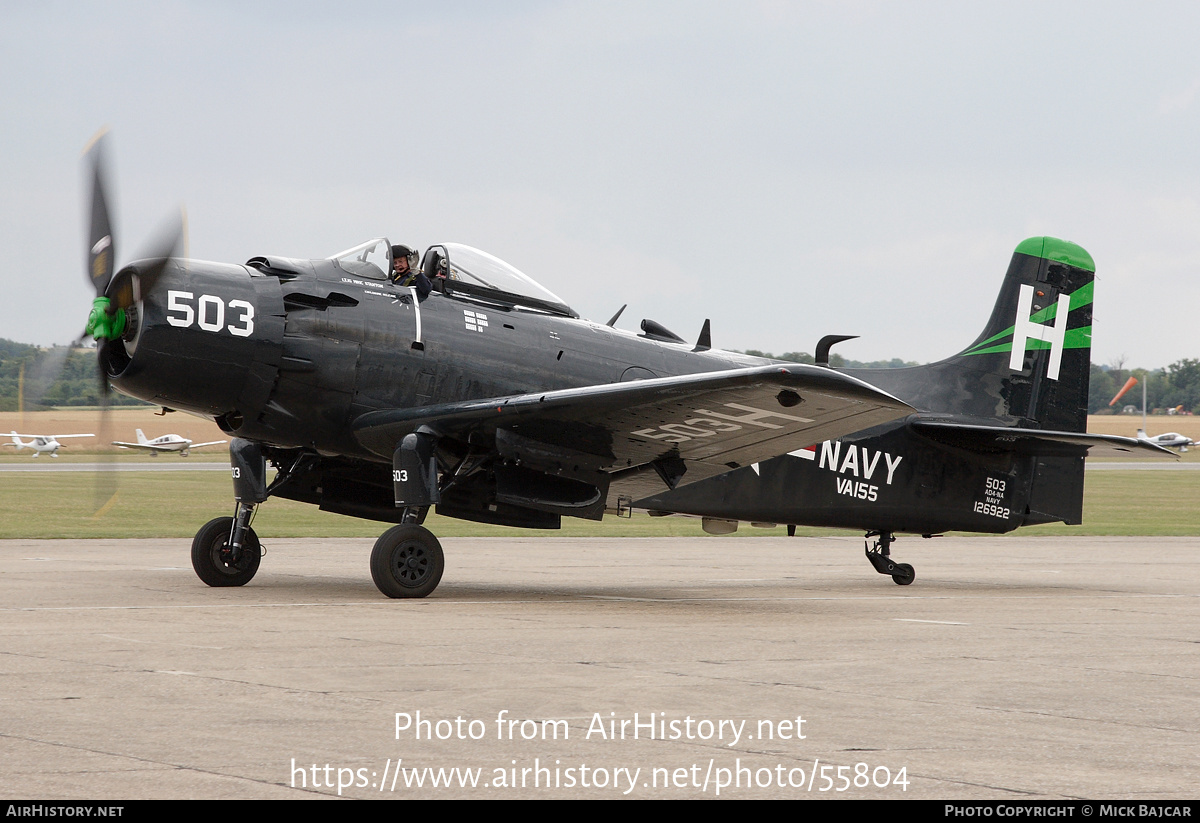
401, 250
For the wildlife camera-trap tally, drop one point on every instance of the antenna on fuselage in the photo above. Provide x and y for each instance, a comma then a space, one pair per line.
828, 342
613, 322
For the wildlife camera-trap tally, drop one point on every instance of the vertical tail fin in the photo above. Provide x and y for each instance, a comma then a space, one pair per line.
142, 437
1030, 365
1039, 337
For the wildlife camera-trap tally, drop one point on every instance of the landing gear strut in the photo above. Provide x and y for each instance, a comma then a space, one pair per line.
226, 551
881, 558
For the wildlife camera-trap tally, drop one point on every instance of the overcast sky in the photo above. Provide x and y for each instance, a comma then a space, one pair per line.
788, 170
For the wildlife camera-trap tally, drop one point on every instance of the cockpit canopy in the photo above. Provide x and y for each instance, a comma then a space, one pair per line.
471, 271
372, 259
465, 270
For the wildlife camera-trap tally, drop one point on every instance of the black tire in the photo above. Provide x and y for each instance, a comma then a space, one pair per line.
905, 574
210, 555
407, 561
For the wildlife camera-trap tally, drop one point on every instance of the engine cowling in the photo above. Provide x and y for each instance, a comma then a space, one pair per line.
207, 339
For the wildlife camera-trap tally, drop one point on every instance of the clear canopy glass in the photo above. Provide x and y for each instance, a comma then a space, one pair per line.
478, 272
488, 272
372, 259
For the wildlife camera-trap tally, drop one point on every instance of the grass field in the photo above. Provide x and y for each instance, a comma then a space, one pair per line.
176, 504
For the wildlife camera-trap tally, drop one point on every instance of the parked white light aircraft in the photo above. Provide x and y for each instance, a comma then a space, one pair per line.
165, 443
1171, 440
41, 442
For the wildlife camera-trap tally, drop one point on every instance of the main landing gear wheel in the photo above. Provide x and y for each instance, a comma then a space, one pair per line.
212, 556
407, 561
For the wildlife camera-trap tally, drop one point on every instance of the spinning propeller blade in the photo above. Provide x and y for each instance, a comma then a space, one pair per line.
101, 250
116, 291
104, 495
126, 288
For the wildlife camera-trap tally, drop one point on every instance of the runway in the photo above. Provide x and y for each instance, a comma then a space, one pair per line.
1014, 668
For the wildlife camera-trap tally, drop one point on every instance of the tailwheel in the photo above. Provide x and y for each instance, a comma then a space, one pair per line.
904, 575
880, 556
407, 561
217, 562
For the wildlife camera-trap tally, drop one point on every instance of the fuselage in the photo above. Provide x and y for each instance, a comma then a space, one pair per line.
39, 445
167, 443
1171, 440
293, 361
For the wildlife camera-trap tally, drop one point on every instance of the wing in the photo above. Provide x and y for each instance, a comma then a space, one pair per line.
209, 443
145, 446
649, 435
51, 436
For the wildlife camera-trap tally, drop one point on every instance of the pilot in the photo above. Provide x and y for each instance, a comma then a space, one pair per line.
403, 273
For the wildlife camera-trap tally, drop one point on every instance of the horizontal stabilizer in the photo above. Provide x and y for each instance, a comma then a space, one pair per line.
1036, 441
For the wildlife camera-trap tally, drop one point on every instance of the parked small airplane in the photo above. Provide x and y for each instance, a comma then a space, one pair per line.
41, 443
1171, 440
165, 443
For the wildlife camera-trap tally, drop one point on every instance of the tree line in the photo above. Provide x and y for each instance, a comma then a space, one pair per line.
1176, 387
51, 378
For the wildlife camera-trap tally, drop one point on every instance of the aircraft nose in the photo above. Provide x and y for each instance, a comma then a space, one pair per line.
208, 339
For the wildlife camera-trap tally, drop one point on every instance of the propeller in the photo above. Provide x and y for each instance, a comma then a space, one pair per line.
116, 291
102, 250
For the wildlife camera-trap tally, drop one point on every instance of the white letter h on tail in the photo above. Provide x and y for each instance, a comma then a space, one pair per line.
1025, 329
